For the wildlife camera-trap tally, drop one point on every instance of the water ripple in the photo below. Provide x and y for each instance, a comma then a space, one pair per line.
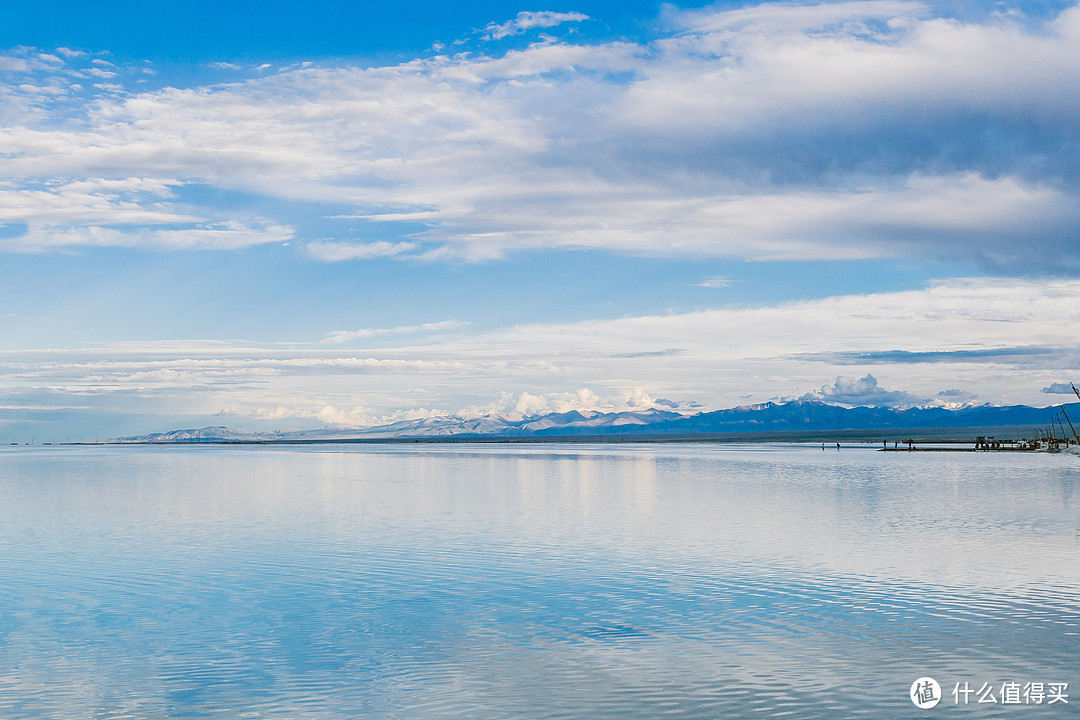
677, 582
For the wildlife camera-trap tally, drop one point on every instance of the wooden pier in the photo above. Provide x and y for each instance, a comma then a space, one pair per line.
983, 444
956, 449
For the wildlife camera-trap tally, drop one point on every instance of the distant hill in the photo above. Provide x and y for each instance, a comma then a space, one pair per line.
206, 434
796, 418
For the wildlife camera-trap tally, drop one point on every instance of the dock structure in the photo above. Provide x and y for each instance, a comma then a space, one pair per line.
1046, 443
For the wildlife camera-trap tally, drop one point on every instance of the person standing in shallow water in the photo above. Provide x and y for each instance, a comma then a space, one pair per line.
838, 447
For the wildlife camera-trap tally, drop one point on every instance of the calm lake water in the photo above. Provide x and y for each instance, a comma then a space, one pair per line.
538, 581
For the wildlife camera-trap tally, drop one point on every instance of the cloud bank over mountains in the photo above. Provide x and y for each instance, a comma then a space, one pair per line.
843, 130
780, 352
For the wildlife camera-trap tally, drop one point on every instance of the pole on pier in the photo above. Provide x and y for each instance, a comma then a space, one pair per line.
1062, 407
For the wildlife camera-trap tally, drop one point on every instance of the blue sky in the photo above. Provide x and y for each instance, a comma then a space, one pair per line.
268, 216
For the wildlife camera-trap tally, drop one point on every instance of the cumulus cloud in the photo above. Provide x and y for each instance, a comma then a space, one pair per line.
955, 398
529, 404
1058, 388
527, 20
526, 404
327, 415
862, 391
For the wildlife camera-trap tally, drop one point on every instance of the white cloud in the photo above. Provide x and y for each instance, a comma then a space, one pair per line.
583, 399
1059, 388
526, 20
355, 417
639, 399
341, 336
230, 235
716, 281
954, 398
849, 130
130, 201
865, 391
776, 63
10, 64
126, 212
527, 404
771, 18
340, 251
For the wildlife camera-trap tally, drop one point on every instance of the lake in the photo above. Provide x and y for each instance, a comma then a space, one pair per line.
536, 581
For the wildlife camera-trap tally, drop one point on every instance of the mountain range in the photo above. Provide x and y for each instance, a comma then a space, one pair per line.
798, 418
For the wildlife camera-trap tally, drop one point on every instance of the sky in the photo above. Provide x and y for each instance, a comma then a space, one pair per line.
283, 216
